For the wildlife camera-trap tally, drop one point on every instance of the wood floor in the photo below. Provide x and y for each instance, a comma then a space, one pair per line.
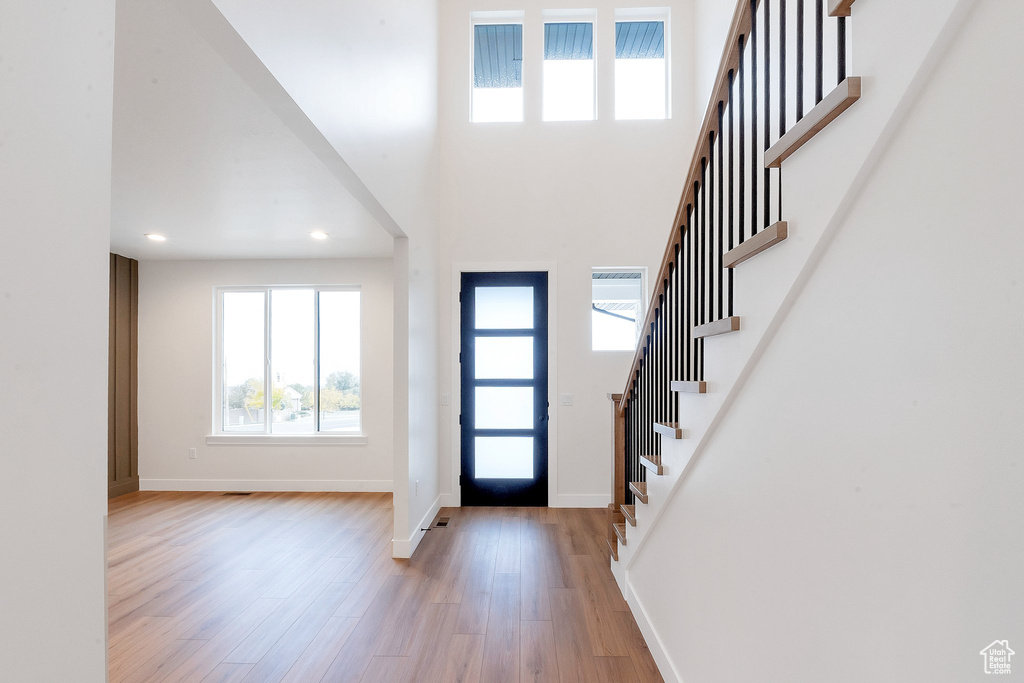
302, 587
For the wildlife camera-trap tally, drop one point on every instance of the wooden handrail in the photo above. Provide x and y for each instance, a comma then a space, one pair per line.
739, 28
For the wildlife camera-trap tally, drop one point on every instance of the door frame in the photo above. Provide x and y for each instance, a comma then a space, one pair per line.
455, 456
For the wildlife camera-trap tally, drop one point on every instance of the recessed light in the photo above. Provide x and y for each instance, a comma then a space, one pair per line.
318, 235
155, 237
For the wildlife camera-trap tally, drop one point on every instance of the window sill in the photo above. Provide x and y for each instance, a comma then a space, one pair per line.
286, 440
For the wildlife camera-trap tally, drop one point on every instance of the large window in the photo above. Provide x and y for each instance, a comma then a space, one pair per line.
497, 72
569, 71
641, 72
617, 308
297, 345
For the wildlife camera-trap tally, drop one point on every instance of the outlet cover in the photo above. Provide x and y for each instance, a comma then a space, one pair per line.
566, 399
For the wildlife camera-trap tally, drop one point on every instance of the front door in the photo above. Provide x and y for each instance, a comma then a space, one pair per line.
504, 360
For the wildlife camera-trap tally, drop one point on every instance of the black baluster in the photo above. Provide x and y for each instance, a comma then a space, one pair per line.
721, 209
754, 175
819, 51
799, 59
841, 46
732, 194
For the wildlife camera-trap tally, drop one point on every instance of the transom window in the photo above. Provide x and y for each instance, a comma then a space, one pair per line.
497, 72
569, 71
641, 72
298, 345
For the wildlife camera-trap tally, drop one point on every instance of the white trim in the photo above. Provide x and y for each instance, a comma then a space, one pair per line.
286, 440
654, 644
551, 268
404, 548
581, 500
297, 485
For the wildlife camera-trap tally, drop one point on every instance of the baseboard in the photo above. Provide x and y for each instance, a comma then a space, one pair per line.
404, 548
298, 485
654, 644
581, 500
123, 487
449, 500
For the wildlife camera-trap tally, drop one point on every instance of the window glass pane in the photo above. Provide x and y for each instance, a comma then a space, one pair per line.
616, 309
340, 397
503, 457
291, 361
640, 70
243, 405
504, 308
569, 71
504, 408
497, 72
504, 357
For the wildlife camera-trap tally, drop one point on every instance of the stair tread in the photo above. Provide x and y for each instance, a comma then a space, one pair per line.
629, 512
670, 429
620, 532
716, 327
752, 246
613, 548
639, 489
652, 462
689, 387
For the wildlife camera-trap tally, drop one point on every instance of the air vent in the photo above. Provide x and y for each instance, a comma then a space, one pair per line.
237, 493
442, 521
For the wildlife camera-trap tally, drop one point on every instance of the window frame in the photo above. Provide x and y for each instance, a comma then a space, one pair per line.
495, 18
641, 308
638, 14
221, 437
564, 16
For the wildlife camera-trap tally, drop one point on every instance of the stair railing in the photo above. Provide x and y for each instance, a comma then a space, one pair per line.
769, 98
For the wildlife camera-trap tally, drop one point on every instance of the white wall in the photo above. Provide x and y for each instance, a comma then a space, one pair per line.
561, 195
55, 97
380, 113
176, 373
711, 20
853, 514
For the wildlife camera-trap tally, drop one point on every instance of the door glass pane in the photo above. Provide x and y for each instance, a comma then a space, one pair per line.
243, 409
503, 308
503, 457
291, 358
340, 394
504, 357
504, 408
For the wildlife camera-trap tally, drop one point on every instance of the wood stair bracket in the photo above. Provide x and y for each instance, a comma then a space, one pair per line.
716, 327
639, 489
823, 113
652, 463
620, 533
629, 512
769, 237
689, 387
670, 429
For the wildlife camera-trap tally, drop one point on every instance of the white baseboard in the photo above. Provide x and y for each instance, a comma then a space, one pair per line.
581, 500
404, 548
449, 500
654, 644
299, 485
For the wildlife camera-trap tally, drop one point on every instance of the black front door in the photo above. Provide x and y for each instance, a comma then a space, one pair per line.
504, 418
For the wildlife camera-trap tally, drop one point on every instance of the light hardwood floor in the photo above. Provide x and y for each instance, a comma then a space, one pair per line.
302, 587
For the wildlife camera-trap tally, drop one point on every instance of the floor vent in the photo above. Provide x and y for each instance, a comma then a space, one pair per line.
442, 521
237, 493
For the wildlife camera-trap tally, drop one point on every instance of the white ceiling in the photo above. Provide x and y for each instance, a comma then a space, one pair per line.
201, 158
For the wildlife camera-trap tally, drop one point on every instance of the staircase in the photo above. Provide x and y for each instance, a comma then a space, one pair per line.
782, 79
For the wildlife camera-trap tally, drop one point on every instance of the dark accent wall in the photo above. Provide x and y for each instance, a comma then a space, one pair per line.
123, 378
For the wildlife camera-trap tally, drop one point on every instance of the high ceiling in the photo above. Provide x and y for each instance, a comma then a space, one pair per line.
201, 158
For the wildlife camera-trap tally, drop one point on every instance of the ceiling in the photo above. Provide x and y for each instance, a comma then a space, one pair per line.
200, 158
